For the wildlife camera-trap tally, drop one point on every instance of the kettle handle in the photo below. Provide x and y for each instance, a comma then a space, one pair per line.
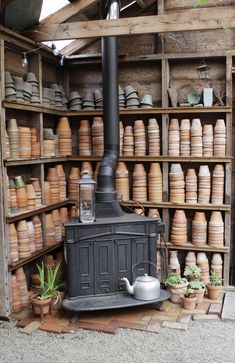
146, 261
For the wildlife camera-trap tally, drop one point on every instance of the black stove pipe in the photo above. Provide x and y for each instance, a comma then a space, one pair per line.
106, 195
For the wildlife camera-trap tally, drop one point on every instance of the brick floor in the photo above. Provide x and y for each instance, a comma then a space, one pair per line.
145, 318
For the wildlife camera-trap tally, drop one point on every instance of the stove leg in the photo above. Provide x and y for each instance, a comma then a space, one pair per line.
73, 317
159, 306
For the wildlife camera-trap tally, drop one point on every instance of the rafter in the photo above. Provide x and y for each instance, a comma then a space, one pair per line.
77, 6
77, 46
196, 19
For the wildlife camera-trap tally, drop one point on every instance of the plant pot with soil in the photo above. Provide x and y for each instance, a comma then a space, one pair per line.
176, 285
189, 300
198, 288
214, 287
192, 272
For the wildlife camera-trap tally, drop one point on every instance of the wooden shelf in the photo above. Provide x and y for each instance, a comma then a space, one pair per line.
168, 205
182, 159
33, 161
138, 111
190, 247
34, 256
30, 213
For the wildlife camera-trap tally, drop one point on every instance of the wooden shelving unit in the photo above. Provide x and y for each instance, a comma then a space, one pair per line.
167, 205
190, 247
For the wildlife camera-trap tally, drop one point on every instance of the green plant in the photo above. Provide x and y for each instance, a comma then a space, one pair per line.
189, 293
215, 279
196, 285
49, 281
192, 270
174, 279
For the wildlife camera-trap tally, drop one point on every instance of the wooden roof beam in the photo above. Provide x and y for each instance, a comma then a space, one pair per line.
196, 19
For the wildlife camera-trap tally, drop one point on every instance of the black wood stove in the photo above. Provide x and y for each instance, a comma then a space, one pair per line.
99, 254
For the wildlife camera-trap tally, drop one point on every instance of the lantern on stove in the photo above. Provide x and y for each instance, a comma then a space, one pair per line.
86, 200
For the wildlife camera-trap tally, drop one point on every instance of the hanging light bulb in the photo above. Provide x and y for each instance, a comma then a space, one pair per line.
62, 60
24, 60
55, 50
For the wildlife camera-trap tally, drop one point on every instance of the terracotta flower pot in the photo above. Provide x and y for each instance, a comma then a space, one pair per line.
213, 292
40, 306
199, 295
189, 303
177, 291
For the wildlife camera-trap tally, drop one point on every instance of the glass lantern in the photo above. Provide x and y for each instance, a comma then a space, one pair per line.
203, 72
86, 200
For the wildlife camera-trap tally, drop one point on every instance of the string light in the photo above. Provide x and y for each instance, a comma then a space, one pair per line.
24, 60
55, 50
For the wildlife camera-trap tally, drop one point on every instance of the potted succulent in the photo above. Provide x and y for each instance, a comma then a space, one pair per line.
214, 287
192, 272
48, 289
198, 288
176, 286
189, 299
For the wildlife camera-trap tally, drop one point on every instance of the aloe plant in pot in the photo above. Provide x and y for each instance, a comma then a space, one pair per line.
214, 287
176, 286
198, 288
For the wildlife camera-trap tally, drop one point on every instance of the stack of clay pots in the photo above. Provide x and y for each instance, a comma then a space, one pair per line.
84, 138
217, 194
179, 228
185, 137
196, 137
19, 86
98, 99
38, 233
139, 189
177, 184
139, 211
53, 179
57, 96
153, 137
121, 98
64, 98
207, 140
174, 138
21, 193
49, 239
57, 224
191, 186
7, 146
13, 204
64, 218
140, 138
128, 141
146, 101
47, 193
13, 134
10, 91
216, 230
13, 243
86, 165
97, 165
35, 143
31, 196
190, 259
121, 134
122, 182
75, 101
48, 97
155, 183
48, 143
132, 99
174, 265
62, 181
31, 236
30, 78
219, 138
38, 191
27, 92
202, 262
89, 101
21, 279
73, 184
15, 295
199, 229
97, 136
204, 184
23, 239
65, 136
217, 263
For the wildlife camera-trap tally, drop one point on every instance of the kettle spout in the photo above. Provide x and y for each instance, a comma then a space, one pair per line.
130, 288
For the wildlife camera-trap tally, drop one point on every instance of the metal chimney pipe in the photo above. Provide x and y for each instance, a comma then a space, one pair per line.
106, 195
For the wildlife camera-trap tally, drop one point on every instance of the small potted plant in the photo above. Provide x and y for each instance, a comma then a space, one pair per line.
198, 288
176, 286
41, 301
57, 290
192, 272
189, 300
214, 287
